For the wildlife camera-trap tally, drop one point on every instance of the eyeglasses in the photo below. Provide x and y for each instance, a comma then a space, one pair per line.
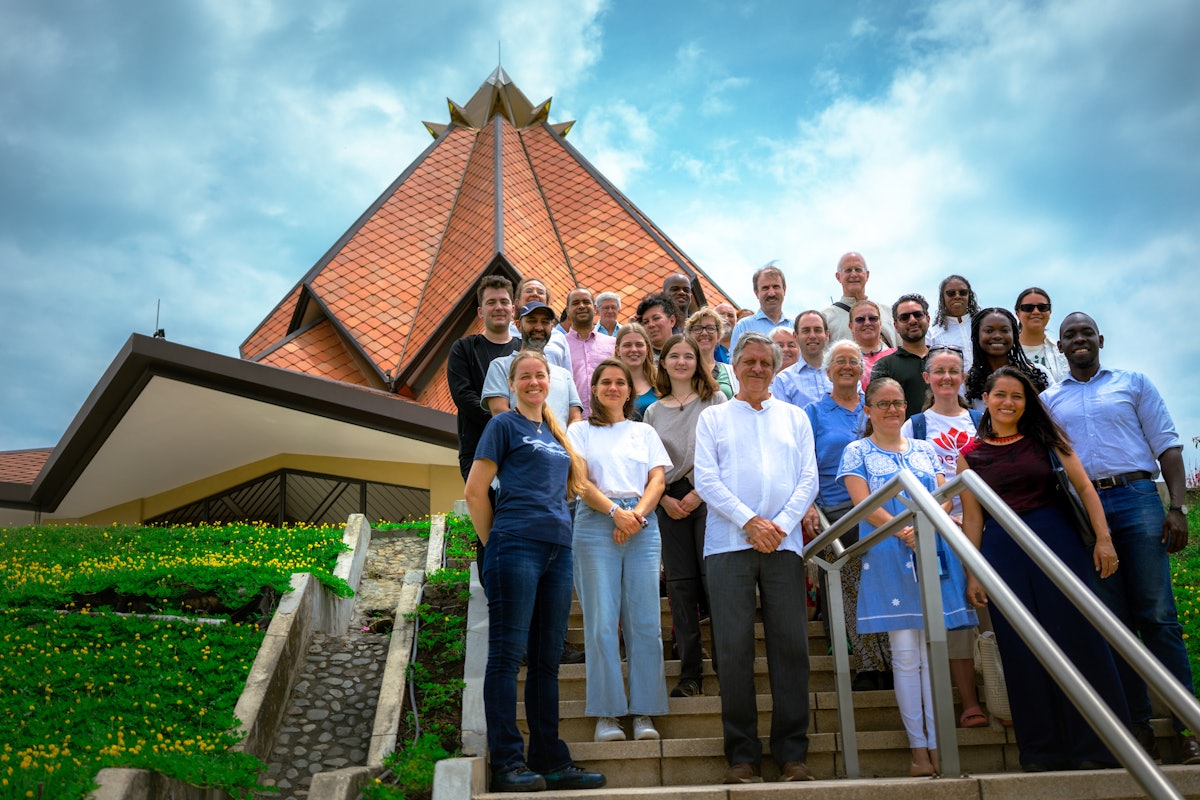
841, 361
958, 293
703, 329
1025, 308
884, 405
907, 315
861, 320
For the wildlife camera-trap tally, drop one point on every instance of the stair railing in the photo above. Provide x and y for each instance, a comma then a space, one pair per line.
924, 512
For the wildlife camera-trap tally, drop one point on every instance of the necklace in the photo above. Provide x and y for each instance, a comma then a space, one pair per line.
1005, 439
531, 422
682, 400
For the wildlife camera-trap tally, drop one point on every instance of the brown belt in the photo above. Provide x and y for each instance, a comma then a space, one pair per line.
1124, 479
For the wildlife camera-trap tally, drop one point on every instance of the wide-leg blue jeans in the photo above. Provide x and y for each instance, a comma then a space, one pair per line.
619, 583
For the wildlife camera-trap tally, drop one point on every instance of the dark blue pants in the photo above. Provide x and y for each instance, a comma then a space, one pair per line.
528, 585
1049, 730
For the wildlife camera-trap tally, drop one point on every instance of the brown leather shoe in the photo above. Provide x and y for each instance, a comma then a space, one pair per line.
1145, 737
796, 771
1189, 750
744, 772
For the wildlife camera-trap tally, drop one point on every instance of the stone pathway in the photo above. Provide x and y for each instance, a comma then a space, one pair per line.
331, 712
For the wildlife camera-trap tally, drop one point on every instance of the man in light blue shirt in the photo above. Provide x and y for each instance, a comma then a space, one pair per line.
805, 381
769, 287
1123, 434
756, 469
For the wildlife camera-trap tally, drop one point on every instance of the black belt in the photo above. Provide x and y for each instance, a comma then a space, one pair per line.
1124, 479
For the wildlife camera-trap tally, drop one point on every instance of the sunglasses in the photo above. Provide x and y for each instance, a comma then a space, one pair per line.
1025, 308
907, 315
950, 347
861, 320
884, 405
958, 293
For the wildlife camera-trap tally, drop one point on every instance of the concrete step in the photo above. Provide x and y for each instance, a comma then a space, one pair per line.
699, 717
818, 642
1094, 785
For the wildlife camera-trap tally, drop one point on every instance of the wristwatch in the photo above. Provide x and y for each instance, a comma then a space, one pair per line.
1183, 509
612, 512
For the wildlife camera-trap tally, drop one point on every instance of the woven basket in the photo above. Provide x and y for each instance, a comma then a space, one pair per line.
987, 664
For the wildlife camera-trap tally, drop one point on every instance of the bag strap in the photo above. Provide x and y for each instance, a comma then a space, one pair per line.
842, 306
920, 427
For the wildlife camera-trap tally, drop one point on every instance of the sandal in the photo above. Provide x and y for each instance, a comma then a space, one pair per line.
973, 718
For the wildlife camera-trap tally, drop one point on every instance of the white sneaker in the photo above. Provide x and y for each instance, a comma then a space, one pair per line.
609, 730
643, 728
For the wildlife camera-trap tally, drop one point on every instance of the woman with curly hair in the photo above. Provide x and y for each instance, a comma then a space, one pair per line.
952, 324
994, 345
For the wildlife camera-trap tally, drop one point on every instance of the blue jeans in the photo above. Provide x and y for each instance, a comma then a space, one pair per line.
619, 582
528, 585
1139, 592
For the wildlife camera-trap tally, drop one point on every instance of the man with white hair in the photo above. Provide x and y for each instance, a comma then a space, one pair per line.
753, 550
852, 274
608, 305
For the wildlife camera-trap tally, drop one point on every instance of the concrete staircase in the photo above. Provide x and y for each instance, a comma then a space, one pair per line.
688, 760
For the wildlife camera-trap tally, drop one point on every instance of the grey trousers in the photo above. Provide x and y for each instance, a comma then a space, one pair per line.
778, 577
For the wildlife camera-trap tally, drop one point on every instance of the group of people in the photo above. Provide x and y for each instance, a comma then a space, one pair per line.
708, 446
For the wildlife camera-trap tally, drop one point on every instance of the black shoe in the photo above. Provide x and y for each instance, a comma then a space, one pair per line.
866, 681
1145, 737
688, 687
570, 655
1097, 765
573, 777
1036, 766
518, 779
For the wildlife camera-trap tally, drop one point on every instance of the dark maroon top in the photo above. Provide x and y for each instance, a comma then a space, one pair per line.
1018, 472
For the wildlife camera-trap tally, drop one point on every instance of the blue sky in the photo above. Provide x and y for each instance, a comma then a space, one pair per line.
208, 153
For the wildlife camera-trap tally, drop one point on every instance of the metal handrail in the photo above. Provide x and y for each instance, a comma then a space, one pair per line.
924, 512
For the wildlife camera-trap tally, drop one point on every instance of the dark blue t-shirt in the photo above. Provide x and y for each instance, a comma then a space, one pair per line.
532, 468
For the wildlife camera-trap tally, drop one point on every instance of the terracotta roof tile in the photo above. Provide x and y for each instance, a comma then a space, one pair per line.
405, 275
22, 466
273, 328
318, 350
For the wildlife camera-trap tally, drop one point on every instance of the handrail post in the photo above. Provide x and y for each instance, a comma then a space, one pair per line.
841, 665
937, 649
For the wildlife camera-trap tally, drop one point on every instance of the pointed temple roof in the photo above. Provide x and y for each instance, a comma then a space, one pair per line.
499, 191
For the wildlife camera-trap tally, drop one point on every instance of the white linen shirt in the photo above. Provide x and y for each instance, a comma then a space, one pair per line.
754, 463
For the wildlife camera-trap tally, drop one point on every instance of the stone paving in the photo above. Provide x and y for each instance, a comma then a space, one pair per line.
331, 711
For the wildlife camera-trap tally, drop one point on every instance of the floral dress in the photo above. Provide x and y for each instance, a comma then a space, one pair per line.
889, 598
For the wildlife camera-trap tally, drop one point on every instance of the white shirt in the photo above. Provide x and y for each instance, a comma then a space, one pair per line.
1046, 355
620, 456
754, 463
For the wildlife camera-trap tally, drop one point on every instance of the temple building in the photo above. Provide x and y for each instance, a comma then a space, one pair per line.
339, 402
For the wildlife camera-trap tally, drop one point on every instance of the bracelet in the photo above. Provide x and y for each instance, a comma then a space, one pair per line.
612, 512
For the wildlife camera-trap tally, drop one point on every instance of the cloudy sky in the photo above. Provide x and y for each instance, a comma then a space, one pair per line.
207, 153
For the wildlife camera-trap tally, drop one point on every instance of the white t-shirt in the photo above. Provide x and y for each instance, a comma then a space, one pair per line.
619, 457
948, 435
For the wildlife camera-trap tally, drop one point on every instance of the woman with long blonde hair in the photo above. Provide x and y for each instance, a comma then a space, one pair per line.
527, 575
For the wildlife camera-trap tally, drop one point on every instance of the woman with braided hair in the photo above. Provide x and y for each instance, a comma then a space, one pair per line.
994, 344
